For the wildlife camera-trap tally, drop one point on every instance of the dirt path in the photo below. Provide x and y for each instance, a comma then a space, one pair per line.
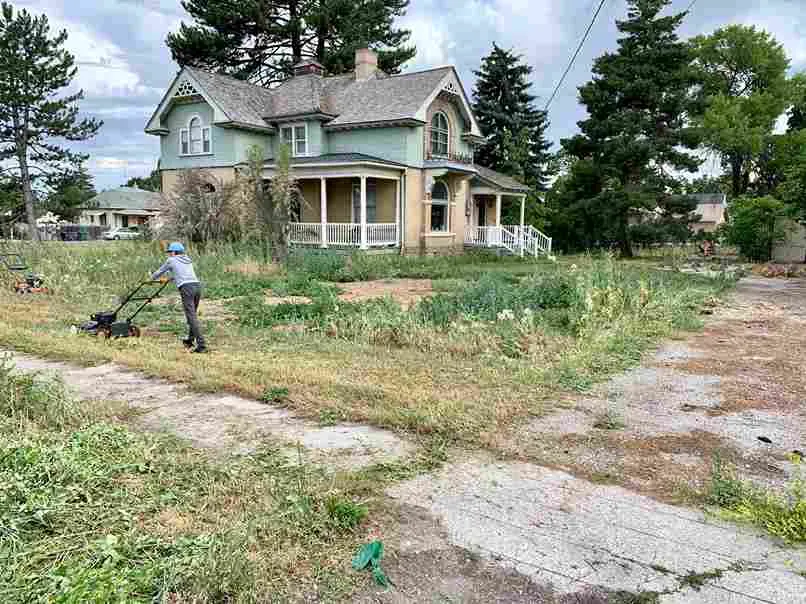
715, 392
224, 422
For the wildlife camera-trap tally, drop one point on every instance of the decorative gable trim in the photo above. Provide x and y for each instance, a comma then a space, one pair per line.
451, 85
185, 89
178, 93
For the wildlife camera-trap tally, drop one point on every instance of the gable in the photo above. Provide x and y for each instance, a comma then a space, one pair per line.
184, 89
451, 90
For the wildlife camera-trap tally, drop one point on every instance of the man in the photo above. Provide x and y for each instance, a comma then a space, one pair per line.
181, 268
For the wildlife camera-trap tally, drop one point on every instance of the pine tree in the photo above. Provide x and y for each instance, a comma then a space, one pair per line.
260, 40
638, 103
70, 193
508, 117
33, 69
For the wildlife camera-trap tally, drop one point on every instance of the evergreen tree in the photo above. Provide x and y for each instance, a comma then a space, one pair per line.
70, 193
260, 40
152, 182
636, 133
33, 68
515, 129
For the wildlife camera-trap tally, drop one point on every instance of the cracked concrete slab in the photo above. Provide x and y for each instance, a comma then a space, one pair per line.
221, 421
574, 535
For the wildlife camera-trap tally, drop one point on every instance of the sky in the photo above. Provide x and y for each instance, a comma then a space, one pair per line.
124, 65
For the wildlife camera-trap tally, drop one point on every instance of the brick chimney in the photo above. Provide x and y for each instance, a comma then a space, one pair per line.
308, 66
366, 64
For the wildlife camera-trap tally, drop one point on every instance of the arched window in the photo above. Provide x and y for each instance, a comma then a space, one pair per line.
440, 205
195, 139
440, 134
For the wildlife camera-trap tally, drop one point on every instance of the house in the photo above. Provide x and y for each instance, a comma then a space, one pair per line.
121, 207
382, 161
711, 210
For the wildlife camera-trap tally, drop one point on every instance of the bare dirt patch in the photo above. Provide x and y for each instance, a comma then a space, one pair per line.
736, 390
405, 292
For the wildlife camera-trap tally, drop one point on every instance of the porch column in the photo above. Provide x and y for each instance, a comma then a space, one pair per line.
498, 235
397, 211
323, 208
521, 238
363, 212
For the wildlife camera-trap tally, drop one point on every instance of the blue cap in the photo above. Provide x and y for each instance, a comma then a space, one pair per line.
176, 247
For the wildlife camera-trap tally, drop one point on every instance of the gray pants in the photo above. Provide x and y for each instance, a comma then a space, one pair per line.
191, 295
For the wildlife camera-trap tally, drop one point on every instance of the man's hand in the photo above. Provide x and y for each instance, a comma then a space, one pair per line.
164, 279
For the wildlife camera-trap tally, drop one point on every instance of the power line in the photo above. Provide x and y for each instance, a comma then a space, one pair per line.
691, 5
576, 54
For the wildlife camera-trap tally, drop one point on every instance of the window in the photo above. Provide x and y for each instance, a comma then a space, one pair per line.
296, 137
372, 201
102, 219
440, 132
440, 203
195, 139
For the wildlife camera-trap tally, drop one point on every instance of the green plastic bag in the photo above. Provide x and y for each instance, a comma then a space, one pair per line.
370, 556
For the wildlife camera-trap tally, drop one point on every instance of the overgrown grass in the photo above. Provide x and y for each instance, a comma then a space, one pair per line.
780, 514
500, 339
93, 512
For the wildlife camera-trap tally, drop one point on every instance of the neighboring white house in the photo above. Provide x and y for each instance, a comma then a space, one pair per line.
121, 207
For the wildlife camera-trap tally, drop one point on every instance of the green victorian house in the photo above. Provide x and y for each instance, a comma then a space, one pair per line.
382, 161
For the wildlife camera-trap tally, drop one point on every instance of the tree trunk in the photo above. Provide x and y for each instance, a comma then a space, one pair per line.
736, 175
27, 192
296, 42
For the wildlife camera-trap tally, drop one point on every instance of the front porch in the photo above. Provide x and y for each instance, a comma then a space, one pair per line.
358, 211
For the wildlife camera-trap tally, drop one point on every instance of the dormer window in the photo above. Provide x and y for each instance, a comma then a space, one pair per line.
296, 137
440, 134
195, 139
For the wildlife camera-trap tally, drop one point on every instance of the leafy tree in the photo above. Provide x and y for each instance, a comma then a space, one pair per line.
34, 67
70, 193
744, 91
152, 182
792, 163
669, 223
515, 129
707, 184
12, 208
797, 112
637, 132
260, 40
755, 225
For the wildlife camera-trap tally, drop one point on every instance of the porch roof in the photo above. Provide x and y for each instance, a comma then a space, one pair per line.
335, 159
486, 177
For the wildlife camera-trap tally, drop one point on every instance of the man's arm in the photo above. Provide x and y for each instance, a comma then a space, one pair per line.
166, 267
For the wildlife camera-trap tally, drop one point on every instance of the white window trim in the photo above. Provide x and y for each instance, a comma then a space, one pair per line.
447, 204
186, 130
294, 126
447, 131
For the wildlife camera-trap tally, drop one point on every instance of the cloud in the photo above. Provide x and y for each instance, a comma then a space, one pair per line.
124, 65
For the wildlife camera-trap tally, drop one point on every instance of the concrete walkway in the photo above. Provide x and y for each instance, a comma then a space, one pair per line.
572, 535
221, 421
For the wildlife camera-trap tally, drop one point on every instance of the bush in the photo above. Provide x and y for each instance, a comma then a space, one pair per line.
755, 225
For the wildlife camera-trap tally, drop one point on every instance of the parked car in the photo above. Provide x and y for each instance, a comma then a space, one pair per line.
122, 233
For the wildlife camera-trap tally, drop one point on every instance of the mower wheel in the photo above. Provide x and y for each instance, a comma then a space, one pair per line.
104, 334
134, 331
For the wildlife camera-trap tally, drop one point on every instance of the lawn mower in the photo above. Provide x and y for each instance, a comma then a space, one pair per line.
106, 323
25, 281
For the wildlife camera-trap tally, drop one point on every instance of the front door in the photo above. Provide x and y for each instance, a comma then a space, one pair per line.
482, 208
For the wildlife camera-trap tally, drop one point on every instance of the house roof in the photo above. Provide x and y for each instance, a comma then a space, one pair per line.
707, 198
341, 100
242, 102
125, 198
499, 181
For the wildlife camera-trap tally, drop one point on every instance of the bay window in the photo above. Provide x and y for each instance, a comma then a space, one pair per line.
440, 208
196, 139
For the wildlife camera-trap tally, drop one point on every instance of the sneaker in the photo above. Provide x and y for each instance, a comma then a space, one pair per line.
200, 349
187, 342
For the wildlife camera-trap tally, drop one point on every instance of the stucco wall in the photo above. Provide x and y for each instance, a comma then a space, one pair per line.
171, 177
793, 249
414, 208
339, 200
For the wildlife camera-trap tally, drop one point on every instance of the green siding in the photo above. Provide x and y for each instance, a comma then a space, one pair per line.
229, 146
393, 144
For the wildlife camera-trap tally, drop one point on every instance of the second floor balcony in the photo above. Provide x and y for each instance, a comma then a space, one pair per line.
440, 145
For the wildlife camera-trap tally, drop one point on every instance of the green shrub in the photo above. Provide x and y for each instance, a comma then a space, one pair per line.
755, 225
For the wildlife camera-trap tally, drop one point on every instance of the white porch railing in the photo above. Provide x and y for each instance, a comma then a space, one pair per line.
511, 237
343, 234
